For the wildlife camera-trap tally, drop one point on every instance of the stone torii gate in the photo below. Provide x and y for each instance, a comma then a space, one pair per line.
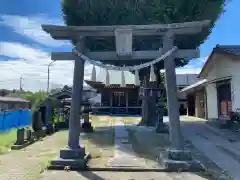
123, 37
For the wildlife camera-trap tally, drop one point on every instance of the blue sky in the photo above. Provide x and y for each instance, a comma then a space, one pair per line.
24, 47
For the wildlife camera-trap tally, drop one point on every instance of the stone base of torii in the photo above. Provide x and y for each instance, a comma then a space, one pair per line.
174, 158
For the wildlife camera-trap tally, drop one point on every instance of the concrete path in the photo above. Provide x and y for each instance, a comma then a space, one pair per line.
124, 155
223, 153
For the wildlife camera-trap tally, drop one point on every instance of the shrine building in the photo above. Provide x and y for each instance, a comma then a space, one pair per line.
117, 99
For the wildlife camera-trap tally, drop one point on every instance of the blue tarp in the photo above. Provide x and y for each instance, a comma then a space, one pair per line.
15, 119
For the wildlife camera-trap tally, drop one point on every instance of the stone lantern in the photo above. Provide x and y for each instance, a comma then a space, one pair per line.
86, 109
86, 125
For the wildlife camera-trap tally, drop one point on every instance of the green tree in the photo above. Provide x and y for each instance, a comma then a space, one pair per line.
119, 12
123, 12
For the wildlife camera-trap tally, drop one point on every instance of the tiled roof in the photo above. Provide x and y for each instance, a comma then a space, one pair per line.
233, 49
98, 85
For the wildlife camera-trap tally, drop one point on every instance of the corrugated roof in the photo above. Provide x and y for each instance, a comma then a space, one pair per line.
12, 99
193, 86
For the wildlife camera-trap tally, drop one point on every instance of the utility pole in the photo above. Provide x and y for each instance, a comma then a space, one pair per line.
49, 76
20, 87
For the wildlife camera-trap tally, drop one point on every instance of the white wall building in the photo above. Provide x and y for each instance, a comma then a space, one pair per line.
221, 88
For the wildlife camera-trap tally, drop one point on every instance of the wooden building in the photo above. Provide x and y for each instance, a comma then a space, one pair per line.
116, 99
13, 103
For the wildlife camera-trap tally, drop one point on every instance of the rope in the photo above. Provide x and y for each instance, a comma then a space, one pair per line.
125, 68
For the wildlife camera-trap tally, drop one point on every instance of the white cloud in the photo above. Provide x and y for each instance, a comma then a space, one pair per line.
32, 65
19, 51
31, 27
193, 67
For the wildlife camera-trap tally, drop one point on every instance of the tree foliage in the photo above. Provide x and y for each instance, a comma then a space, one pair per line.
122, 12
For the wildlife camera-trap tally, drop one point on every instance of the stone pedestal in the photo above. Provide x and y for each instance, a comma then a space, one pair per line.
175, 160
75, 159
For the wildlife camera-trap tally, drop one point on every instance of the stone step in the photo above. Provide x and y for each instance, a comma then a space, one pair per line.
80, 163
70, 163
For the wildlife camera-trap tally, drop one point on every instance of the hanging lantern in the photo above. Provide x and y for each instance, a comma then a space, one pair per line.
137, 80
123, 79
152, 74
93, 77
107, 82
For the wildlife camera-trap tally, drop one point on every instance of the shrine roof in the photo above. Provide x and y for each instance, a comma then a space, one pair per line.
101, 85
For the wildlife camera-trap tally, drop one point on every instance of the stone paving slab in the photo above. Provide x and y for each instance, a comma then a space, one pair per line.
27, 164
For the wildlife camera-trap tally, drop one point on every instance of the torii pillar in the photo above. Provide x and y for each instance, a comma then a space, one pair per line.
176, 157
74, 155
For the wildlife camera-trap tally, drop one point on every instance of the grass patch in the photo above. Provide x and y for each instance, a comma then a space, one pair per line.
7, 139
101, 121
131, 120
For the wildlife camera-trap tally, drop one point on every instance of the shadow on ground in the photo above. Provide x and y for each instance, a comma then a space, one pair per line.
102, 136
147, 144
90, 175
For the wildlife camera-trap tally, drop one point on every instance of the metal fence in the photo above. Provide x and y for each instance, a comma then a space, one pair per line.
15, 119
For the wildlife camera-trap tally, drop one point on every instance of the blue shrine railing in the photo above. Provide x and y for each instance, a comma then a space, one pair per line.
15, 119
